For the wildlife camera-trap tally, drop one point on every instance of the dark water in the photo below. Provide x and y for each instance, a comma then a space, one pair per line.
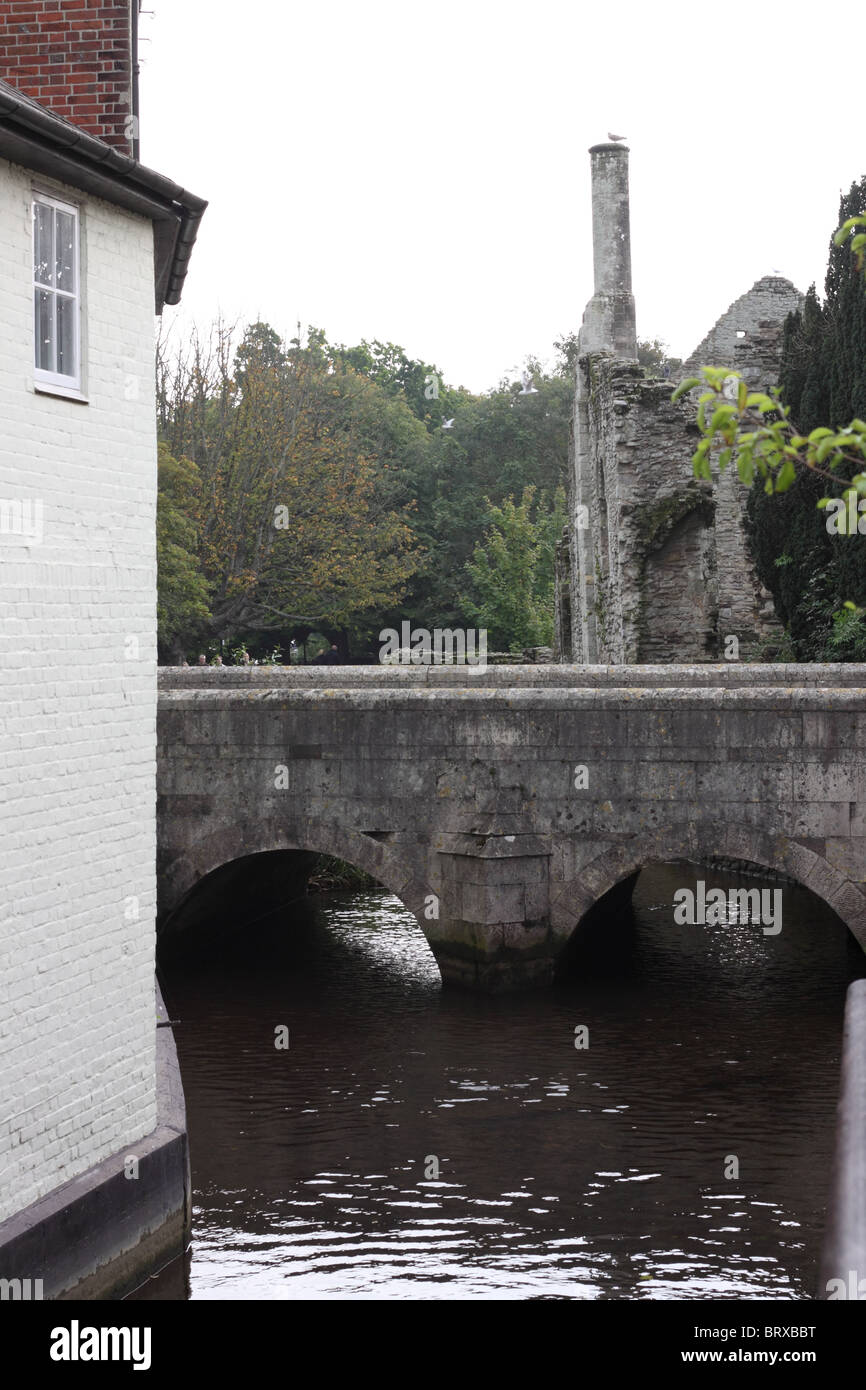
413, 1144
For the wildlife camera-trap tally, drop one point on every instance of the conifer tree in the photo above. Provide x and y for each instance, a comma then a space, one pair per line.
823, 379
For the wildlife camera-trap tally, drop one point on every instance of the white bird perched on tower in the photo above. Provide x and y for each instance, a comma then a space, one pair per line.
615, 138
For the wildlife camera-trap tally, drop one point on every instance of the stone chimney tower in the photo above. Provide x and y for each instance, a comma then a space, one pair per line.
609, 321
78, 60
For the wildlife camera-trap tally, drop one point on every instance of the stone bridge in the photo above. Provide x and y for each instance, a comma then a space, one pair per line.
500, 806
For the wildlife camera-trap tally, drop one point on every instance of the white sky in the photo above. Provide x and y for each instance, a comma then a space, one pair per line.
418, 172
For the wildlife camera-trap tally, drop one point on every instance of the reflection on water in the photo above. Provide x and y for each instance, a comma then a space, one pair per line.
411, 1143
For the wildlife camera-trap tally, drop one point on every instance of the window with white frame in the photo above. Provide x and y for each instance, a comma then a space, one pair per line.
56, 293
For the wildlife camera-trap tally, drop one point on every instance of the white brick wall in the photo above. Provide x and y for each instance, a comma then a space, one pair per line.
77, 714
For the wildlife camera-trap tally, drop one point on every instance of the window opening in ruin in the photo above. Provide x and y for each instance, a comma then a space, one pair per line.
602, 516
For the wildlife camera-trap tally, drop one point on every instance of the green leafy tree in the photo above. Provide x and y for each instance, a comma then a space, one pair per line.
782, 444
420, 384
297, 520
512, 572
183, 611
653, 354
304, 423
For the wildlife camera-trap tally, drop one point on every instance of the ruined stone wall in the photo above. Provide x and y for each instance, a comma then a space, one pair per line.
748, 336
660, 564
645, 510
678, 604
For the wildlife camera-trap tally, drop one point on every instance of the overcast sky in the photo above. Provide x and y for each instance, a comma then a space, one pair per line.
418, 172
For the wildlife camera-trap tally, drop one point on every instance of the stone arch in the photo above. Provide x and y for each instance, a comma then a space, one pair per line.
678, 603
570, 900
180, 875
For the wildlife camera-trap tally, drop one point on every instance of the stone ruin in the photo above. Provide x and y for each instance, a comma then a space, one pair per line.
655, 565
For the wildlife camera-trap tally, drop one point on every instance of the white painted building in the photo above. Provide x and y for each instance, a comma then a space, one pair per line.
91, 246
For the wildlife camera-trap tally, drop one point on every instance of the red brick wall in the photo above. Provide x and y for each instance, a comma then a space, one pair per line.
73, 56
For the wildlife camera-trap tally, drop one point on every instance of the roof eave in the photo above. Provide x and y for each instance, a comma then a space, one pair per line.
37, 139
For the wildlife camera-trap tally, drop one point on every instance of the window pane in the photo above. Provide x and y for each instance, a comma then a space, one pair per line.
65, 335
43, 303
43, 243
64, 253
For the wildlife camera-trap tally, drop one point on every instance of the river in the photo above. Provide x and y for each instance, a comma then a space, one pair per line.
411, 1143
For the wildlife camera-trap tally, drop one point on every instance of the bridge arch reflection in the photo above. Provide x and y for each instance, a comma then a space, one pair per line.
610, 877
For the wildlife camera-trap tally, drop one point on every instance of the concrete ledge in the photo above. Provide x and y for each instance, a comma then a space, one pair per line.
726, 675
102, 1234
529, 700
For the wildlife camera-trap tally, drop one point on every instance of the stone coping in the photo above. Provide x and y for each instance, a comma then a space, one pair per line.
727, 675
822, 699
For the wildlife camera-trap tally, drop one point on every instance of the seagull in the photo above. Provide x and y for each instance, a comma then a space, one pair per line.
447, 424
616, 138
528, 389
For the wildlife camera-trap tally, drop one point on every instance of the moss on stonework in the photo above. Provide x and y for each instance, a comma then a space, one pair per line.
653, 522
621, 372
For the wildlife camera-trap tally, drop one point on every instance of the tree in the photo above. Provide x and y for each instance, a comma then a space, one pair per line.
296, 521
512, 572
272, 424
653, 354
782, 444
757, 429
420, 384
183, 612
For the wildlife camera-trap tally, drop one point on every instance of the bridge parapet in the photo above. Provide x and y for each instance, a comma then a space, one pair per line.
500, 813
726, 675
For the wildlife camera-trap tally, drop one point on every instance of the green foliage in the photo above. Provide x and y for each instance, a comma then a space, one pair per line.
756, 430
653, 355
513, 572
823, 377
500, 444
420, 385
848, 639
297, 516
782, 443
272, 657
385, 507
329, 875
183, 611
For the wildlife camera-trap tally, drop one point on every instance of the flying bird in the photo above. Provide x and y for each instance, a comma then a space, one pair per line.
617, 138
447, 424
528, 389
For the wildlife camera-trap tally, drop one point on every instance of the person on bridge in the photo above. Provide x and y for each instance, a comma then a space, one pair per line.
331, 657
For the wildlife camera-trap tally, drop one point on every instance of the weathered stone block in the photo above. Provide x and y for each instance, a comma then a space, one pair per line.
824, 781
